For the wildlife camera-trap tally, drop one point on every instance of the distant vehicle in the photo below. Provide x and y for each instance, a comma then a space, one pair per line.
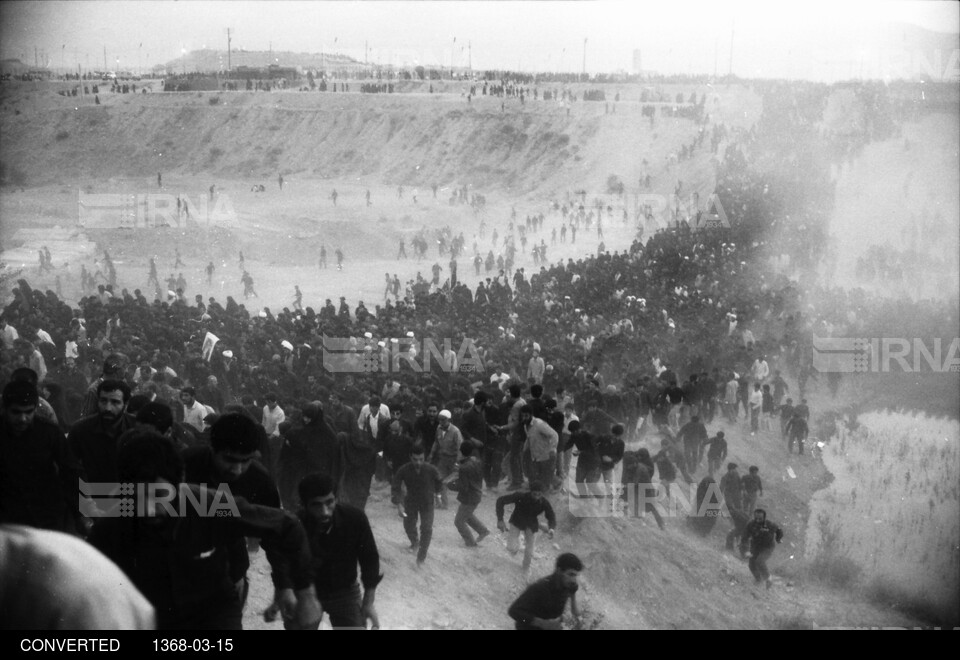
109, 75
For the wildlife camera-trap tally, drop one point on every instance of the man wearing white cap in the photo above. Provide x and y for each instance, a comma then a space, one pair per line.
446, 451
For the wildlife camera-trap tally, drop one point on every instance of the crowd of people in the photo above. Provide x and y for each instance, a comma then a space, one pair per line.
590, 357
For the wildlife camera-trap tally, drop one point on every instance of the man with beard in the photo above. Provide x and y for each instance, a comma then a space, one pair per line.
231, 459
38, 472
94, 439
343, 418
425, 429
340, 540
423, 484
396, 448
762, 537
541, 605
112, 370
308, 449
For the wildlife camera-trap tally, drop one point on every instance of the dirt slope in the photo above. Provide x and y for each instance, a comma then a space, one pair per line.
413, 139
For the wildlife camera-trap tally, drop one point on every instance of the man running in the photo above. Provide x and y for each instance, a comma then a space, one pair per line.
422, 482
541, 605
525, 519
762, 537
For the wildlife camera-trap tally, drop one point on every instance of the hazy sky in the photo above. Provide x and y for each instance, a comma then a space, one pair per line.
815, 40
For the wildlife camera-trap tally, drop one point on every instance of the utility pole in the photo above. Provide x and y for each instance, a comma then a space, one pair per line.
584, 57
470, 56
228, 49
105, 59
730, 68
716, 45
36, 61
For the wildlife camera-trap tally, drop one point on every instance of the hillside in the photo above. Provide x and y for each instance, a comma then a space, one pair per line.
410, 139
636, 576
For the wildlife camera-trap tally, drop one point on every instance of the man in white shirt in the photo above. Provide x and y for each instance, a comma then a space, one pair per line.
193, 411
760, 369
499, 377
383, 414
8, 334
273, 416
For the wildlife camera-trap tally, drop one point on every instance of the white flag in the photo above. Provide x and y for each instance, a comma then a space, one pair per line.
208, 343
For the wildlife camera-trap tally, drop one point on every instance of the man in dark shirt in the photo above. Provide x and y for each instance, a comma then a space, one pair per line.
786, 414
181, 560
423, 484
762, 537
469, 494
541, 605
426, 427
752, 486
343, 418
588, 460
93, 439
797, 431
396, 448
38, 472
716, 452
340, 539
231, 459
112, 370
525, 519
693, 434
476, 426
732, 488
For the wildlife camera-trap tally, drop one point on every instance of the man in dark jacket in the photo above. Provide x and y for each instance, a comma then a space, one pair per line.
477, 427
181, 560
693, 434
94, 439
525, 519
716, 452
112, 370
38, 472
610, 448
423, 484
230, 460
340, 540
426, 427
797, 431
469, 494
588, 460
732, 488
541, 605
396, 448
762, 537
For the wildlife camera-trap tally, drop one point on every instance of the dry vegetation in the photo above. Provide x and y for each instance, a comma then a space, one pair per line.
891, 519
